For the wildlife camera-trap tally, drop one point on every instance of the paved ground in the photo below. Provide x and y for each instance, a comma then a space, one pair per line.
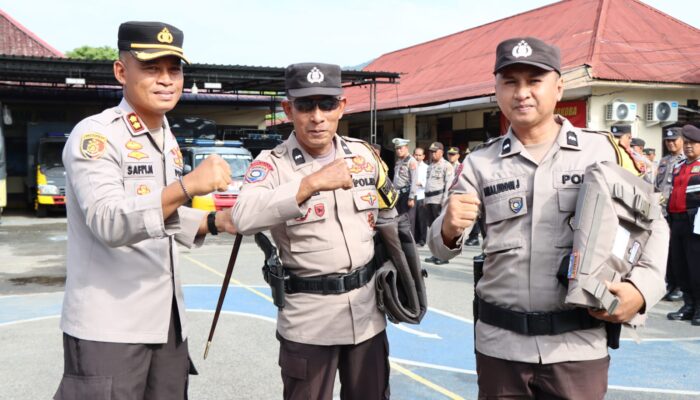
431, 361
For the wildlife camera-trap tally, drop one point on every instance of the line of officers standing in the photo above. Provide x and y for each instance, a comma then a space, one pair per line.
321, 196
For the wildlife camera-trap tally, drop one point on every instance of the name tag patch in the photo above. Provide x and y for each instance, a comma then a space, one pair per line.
139, 169
501, 187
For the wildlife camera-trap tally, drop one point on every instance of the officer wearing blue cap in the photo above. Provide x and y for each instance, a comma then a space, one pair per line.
125, 334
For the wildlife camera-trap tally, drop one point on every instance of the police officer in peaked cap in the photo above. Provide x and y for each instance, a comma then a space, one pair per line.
316, 193
123, 319
529, 343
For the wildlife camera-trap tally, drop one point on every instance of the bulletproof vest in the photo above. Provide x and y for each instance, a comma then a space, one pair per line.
399, 282
612, 224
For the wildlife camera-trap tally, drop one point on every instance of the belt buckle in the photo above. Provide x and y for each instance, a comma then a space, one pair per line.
539, 323
352, 280
325, 284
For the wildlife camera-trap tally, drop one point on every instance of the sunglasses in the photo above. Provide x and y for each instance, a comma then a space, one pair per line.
306, 105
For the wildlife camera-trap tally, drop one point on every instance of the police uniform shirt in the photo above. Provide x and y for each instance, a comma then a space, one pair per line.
664, 176
121, 258
331, 232
440, 176
526, 207
405, 175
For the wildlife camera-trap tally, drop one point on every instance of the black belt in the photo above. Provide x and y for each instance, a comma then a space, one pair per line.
537, 323
404, 189
434, 193
332, 283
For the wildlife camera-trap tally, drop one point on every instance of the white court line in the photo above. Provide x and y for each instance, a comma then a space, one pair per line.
20, 321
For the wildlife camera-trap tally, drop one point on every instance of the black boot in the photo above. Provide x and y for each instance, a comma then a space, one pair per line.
696, 316
686, 312
674, 295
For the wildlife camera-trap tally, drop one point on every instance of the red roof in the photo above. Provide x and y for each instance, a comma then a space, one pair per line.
620, 40
16, 40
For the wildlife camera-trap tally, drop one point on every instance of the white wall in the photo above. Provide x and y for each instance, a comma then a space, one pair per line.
651, 134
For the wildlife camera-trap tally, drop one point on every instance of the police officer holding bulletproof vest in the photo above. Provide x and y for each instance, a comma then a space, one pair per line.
317, 194
673, 140
123, 316
685, 226
529, 343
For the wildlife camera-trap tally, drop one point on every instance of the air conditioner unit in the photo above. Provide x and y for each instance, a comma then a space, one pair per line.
662, 111
620, 111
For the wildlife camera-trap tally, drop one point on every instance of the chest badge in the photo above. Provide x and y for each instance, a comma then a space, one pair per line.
695, 169
369, 198
137, 155
319, 209
134, 145
516, 204
142, 190
359, 164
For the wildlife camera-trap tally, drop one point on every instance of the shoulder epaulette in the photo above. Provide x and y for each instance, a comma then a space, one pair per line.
487, 143
601, 132
353, 139
107, 116
279, 150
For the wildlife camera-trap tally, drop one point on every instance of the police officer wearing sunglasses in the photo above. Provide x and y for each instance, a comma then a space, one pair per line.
316, 194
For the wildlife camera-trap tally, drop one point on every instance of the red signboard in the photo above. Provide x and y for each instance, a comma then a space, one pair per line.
574, 111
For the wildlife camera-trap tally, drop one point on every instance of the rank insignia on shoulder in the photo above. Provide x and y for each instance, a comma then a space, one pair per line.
505, 149
135, 122
93, 145
571, 138
298, 157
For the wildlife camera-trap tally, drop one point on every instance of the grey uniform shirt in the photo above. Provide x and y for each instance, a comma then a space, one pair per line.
331, 232
440, 176
526, 208
405, 171
122, 263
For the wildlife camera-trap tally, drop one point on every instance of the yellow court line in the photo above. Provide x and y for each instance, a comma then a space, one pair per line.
394, 365
236, 282
426, 382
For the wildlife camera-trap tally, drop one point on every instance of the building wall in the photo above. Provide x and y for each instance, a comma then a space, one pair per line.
649, 132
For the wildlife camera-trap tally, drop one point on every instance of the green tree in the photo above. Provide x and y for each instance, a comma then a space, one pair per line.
93, 53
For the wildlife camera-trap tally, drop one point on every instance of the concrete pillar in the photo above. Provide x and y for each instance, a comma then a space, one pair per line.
409, 129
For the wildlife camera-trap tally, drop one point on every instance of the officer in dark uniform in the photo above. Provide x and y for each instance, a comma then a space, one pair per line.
685, 226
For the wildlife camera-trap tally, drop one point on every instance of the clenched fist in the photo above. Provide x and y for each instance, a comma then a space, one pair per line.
462, 210
335, 175
213, 174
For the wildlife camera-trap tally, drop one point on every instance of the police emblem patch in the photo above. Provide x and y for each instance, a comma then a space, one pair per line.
319, 209
257, 172
143, 190
315, 76
522, 49
516, 204
370, 220
695, 169
133, 145
137, 155
93, 145
369, 198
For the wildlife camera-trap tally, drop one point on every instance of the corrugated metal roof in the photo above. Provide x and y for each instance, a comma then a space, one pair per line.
619, 39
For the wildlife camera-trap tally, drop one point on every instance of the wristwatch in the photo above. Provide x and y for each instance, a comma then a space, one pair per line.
211, 223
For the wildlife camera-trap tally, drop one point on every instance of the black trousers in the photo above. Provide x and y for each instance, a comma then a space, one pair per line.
124, 371
308, 371
419, 223
574, 380
685, 254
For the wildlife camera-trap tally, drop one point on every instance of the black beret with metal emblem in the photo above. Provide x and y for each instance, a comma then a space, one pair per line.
620, 130
672, 133
527, 50
151, 40
312, 79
